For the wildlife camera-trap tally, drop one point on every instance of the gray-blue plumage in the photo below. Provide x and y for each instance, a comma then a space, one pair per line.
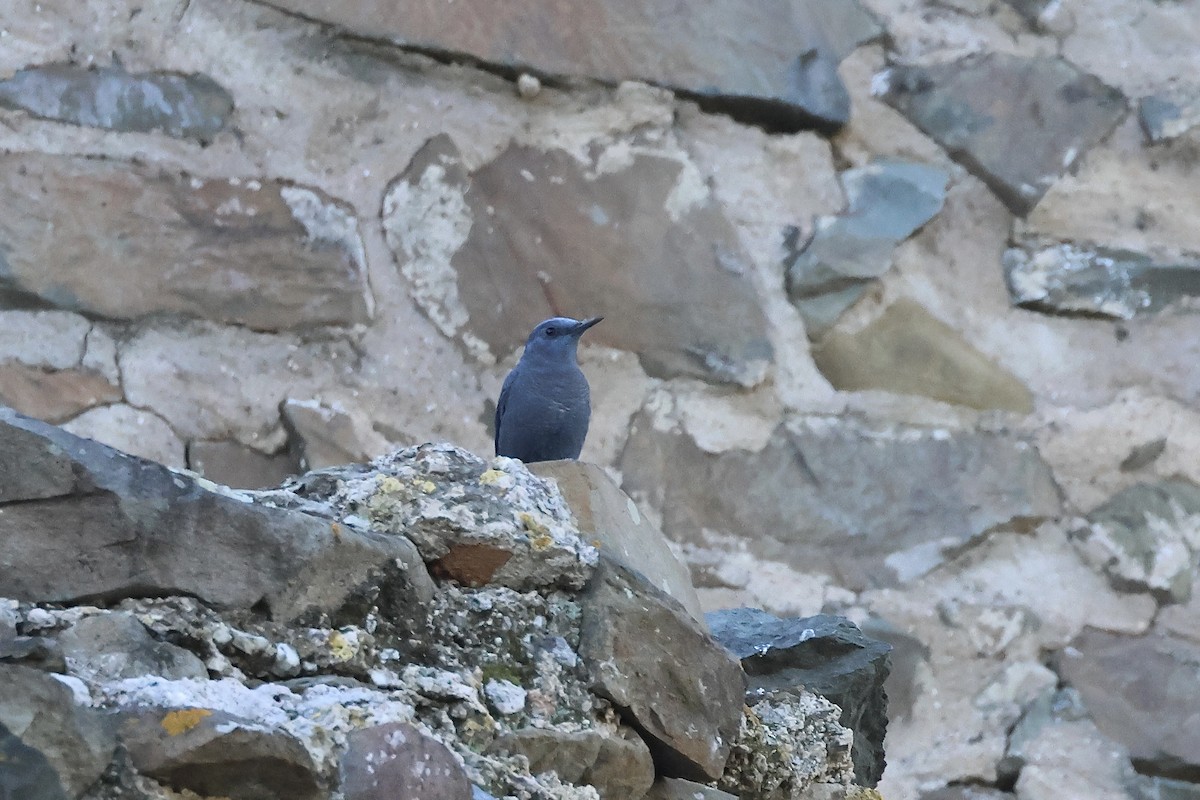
545, 405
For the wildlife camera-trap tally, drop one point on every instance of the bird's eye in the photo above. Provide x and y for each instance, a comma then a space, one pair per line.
552, 331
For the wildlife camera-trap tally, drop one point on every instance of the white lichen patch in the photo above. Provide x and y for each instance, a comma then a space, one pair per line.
442, 498
425, 224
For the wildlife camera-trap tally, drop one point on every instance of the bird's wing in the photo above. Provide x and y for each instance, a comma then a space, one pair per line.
501, 403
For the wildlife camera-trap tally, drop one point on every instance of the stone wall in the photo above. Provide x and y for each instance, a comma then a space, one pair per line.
898, 303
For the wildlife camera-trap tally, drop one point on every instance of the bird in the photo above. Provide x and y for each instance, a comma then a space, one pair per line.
545, 404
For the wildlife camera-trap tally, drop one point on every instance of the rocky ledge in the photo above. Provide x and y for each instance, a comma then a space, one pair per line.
430, 625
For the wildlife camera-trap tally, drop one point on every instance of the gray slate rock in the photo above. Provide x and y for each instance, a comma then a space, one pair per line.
25, 773
828, 497
184, 106
473, 521
888, 201
826, 655
1099, 281
218, 754
618, 765
776, 62
1016, 123
1142, 538
396, 760
1170, 114
132, 240
1130, 686
38, 709
108, 526
533, 221
609, 519
688, 705
108, 647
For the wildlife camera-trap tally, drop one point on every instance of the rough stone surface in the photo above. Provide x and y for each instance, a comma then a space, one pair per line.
53, 395
131, 430
1145, 538
825, 655
115, 646
217, 753
397, 760
191, 106
106, 524
235, 465
786, 745
634, 229
688, 707
130, 241
1016, 123
609, 519
26, 773
43, 714
787, 77
1131, 686
836, 490
1070, 279
1171, 114
679, 789
617, 764
472, 521
324, 436
887, 201
907, 350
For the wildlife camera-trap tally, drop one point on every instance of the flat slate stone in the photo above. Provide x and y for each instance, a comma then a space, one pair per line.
1170, 114
1016, 123
123, 241
609, 519
775, 61
888, 200
215, 753
535, 233
396, 760
617, 764
106, 525
829, 497
1134, 689
826, 655
1096, 281
907, 350
184, 106
1142, 538
688, 707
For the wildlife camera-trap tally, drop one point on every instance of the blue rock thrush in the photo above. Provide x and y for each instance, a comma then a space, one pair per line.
545, 405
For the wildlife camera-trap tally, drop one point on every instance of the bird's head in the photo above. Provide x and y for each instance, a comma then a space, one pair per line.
557, 338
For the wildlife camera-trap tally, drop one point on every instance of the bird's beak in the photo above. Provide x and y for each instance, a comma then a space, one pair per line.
587, 323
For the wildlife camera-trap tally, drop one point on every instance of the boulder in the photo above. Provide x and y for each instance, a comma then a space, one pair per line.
216, 753
825, 655
663, 672
42, 714
396, 760
617, 764
106, 647
108, 525
609, 519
